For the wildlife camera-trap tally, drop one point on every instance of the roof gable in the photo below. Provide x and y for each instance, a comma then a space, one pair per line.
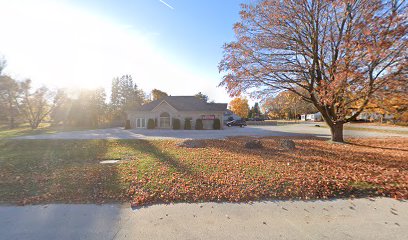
162, 103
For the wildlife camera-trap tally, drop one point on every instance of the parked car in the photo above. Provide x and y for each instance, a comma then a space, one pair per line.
240, 123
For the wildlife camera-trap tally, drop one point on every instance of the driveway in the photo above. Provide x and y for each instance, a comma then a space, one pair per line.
256, 131
379, 218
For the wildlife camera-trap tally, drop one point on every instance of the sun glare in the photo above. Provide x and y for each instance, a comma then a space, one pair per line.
62, 46
54, 38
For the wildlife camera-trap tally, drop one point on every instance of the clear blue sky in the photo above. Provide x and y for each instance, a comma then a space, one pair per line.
194, 30
86, 43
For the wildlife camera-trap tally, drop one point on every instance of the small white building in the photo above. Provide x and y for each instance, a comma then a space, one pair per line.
184, 108
314, 117
371, 117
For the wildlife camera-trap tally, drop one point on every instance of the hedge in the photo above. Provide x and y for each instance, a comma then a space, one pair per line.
127, 124
150, 124
199, 124
187, 124
176, 123
217, 124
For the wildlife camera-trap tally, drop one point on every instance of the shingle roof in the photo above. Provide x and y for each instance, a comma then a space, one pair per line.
185, 103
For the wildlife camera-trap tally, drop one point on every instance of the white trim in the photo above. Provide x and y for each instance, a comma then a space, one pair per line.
167, 104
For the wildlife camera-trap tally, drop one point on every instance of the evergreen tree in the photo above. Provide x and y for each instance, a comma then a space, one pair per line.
125, 96
9, 91
158, 94
202, 96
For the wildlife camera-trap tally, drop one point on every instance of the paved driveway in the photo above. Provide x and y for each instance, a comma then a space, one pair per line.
285, 130
379, 218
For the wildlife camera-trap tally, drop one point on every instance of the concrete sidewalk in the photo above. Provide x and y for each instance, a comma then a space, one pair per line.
379, 218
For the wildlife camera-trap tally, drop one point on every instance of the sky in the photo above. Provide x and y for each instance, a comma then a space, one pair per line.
171, 45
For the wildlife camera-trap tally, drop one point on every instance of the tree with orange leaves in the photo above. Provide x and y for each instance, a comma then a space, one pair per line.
392, 99
239, 106
338, 53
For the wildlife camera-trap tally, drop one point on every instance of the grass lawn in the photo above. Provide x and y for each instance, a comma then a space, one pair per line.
356, 127
25, 129
44, 171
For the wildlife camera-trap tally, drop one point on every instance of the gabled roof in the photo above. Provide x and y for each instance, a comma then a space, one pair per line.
185, 103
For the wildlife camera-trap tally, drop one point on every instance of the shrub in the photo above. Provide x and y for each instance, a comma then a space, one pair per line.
127, 124
199, 124
217, 124
176, 123
187, 124
150, 124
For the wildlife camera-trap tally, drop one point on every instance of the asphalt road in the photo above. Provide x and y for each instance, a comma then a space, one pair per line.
256, 131
379, 218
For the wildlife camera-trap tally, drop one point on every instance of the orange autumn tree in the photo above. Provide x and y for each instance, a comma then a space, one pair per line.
239, 106
392, 99
333, 54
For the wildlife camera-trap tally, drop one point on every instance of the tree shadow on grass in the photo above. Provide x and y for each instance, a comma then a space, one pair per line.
360, 164
306, 152
360, 187
358, 156
146, 146
65, 171
376, 147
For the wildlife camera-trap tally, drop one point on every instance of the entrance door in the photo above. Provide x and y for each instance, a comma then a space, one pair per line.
164, 120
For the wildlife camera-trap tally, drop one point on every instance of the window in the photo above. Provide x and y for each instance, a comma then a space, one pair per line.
164, 120
140, 123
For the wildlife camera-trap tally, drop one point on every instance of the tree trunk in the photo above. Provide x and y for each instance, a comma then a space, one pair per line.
337, 132
34, 125
11, 115
11, 123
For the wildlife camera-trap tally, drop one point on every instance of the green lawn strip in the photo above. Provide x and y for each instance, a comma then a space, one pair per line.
364, 185
363, 188
374, 130
44, 128
23, 130
57, 171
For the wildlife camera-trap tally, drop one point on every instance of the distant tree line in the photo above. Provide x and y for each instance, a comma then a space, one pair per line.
21, 103
287, 105
240, 107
